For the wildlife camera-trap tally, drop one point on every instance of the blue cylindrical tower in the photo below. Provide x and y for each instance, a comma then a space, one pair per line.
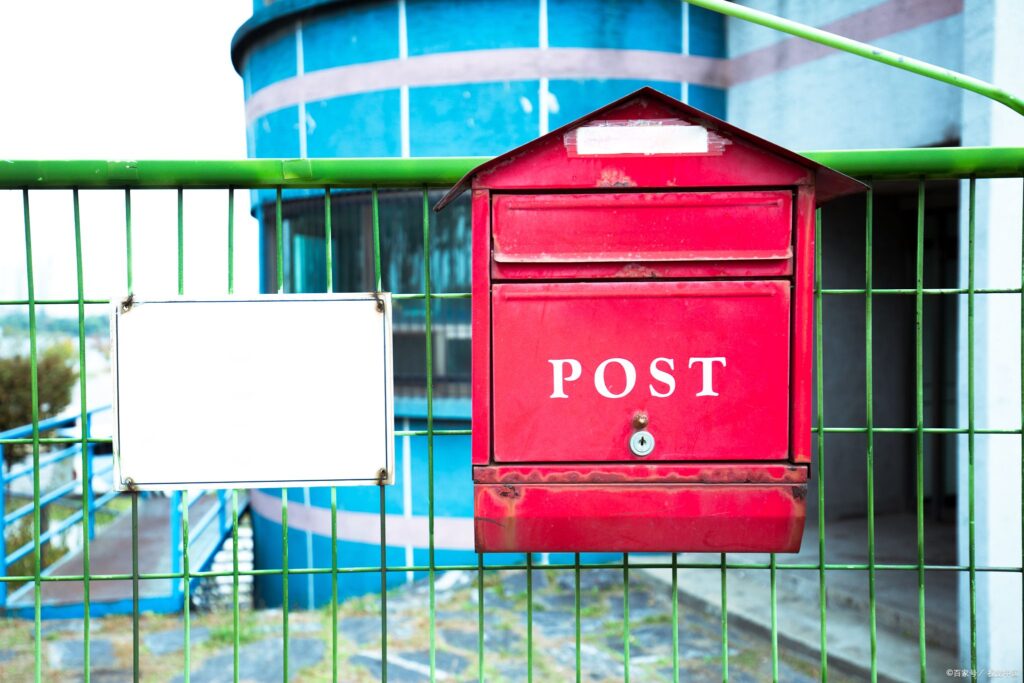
409, 78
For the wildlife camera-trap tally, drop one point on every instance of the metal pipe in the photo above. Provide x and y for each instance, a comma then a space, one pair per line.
855, 47
931, 162
175, 520
90, 499
50, 459
3, 531
248, 173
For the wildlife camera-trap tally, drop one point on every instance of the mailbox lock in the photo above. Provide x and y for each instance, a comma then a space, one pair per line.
641, 443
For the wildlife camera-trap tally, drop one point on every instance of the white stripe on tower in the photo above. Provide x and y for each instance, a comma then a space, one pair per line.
300, 69
403, 92
407, 492
542, 90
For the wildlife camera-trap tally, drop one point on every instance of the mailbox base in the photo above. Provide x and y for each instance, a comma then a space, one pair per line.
639, 517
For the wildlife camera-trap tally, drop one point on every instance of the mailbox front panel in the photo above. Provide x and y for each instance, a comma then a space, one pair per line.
707, 362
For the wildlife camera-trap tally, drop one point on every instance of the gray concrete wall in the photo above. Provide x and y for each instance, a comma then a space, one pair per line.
842, 101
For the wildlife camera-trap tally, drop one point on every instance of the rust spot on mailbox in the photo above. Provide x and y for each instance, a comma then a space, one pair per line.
506, 491
613, 177
642, 335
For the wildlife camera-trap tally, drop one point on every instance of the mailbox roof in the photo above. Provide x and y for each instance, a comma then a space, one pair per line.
829, 184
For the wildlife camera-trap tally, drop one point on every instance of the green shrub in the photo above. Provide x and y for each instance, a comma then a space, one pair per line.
57, 375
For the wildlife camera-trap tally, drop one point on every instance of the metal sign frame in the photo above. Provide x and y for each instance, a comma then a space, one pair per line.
193, 402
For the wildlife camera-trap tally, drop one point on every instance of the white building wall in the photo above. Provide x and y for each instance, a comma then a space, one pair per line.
842, 101
993, 51
747, 37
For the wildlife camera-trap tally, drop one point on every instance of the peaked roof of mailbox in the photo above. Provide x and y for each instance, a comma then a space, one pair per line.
830, 184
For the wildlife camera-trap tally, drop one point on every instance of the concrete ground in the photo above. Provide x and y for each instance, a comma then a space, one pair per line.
847, 606
506, 638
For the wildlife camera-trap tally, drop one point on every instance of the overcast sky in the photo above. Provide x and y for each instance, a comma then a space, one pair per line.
116, 79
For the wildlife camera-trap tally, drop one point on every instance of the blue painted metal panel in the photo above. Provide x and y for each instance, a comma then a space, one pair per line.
267, 554
269, 15
577, 98
366, 125
445, 26
271, 60
711, 100
277, 134
452, 476
358, 33
707, 33
475, 118
451, 408
616, 24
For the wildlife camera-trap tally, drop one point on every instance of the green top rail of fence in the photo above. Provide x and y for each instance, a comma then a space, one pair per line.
880, 164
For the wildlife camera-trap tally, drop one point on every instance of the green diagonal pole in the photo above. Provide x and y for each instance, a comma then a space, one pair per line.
855, 47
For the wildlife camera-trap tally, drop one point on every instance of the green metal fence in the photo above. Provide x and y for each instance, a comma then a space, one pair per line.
922, 166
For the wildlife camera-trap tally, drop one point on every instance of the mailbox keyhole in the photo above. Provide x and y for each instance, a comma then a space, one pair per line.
641, 443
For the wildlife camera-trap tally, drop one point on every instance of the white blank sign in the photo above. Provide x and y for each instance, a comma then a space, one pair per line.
281, 390
636, 138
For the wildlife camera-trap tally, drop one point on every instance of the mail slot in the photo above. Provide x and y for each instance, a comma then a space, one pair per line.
642, 327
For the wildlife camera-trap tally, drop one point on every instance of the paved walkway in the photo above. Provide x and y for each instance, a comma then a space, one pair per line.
110, 553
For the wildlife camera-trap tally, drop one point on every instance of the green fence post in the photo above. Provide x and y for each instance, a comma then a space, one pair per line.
870, 420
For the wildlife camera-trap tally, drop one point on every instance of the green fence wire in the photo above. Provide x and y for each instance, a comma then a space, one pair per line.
876, 166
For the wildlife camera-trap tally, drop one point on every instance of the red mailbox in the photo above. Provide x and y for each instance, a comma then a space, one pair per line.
642, 338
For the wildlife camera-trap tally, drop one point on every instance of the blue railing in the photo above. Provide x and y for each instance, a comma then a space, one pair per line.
90, 505
218, 512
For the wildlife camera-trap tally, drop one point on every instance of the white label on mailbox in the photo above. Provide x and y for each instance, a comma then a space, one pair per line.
282, 390
641, 139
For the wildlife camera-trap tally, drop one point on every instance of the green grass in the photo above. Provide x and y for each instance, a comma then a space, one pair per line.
224, 634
